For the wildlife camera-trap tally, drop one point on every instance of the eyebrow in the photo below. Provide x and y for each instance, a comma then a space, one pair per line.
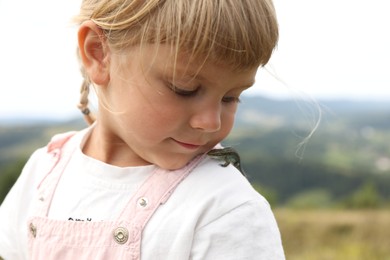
192, 74
199, 77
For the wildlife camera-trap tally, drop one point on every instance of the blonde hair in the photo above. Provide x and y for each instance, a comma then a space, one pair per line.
239, 33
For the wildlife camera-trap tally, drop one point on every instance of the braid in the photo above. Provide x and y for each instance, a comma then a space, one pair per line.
84, 91
83, 105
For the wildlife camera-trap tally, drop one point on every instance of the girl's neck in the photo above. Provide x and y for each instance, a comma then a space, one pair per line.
109, 149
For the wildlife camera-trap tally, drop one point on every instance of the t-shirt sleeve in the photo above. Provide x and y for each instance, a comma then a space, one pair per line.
14, 211
248, 231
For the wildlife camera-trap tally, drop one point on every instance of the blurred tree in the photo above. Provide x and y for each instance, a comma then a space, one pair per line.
366, 196
9, 175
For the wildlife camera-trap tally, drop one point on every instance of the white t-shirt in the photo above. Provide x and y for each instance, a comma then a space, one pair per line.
213, 214
99, 191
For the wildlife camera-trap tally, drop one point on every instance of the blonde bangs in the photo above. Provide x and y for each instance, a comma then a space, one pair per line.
238, 33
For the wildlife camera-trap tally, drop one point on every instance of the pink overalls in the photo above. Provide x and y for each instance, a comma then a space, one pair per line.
119, 239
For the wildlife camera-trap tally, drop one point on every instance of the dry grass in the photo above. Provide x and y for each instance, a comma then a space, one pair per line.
335, 234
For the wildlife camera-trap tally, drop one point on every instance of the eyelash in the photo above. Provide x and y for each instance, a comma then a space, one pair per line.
183, 92
231, 100
189, 93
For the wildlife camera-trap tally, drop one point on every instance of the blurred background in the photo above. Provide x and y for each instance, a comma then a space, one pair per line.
313, 133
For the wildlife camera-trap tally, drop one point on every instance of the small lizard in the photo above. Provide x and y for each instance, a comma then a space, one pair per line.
228, 155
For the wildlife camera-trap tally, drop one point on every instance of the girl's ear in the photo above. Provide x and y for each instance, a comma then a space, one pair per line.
94, 53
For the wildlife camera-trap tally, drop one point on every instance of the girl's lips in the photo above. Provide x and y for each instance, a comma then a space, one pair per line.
188, 145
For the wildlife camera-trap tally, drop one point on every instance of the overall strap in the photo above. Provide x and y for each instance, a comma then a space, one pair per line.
58, 154
154, 192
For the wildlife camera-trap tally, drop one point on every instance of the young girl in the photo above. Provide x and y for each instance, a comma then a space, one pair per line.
138, 183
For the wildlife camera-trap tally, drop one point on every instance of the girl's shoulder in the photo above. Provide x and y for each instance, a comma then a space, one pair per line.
219, 177
224, 188
44, 158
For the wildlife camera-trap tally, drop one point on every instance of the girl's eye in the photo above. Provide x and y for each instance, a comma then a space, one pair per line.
183, 92
190, 93
231, 100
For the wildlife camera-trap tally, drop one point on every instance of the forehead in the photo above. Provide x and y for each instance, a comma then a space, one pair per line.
185, 63
182, 65
211, 74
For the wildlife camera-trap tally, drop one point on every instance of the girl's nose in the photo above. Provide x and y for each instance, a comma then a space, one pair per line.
207, 118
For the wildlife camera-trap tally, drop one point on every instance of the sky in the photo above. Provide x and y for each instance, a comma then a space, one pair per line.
328, 49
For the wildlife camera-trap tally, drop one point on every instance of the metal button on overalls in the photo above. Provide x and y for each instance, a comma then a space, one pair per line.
121, 235
33, 230
143, 202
